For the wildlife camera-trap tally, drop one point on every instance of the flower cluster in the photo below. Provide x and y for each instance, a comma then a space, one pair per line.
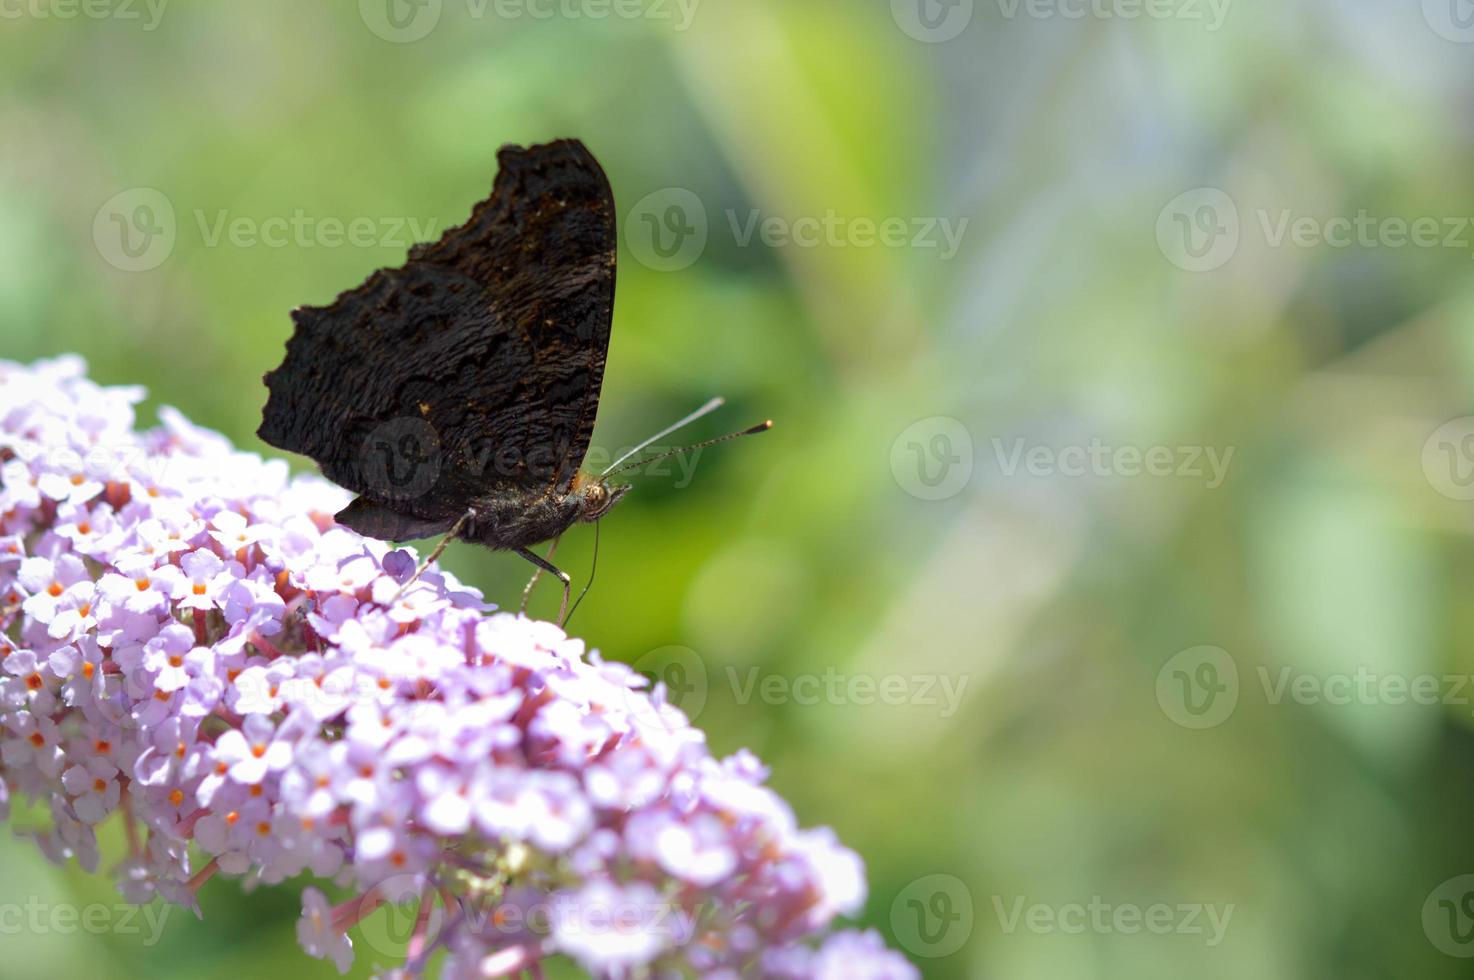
188, 640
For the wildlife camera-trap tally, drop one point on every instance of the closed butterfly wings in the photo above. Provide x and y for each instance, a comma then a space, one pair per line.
472, 373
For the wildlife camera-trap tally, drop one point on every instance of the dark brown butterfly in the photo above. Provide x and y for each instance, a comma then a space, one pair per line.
456, 394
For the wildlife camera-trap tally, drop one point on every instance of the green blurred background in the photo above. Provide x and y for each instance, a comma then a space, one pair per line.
1149, 256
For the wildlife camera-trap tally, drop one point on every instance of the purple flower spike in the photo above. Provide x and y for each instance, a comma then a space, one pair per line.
187, 637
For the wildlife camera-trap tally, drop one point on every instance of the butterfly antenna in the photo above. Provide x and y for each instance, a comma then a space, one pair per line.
589, 584
706, 409
751, 431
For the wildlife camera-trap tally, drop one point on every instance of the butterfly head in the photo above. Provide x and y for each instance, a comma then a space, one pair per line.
597, 497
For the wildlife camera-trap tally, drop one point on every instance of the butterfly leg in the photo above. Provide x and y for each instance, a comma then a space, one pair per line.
547, 566
527, 592
439, 550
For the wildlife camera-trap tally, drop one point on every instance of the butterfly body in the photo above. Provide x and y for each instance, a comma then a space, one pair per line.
504, 522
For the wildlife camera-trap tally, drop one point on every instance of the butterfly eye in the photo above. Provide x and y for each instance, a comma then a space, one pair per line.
595, 501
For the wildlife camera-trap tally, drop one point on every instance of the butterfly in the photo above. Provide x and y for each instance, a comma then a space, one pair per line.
456, 395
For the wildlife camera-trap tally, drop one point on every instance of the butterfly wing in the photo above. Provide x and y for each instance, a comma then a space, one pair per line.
475, 366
